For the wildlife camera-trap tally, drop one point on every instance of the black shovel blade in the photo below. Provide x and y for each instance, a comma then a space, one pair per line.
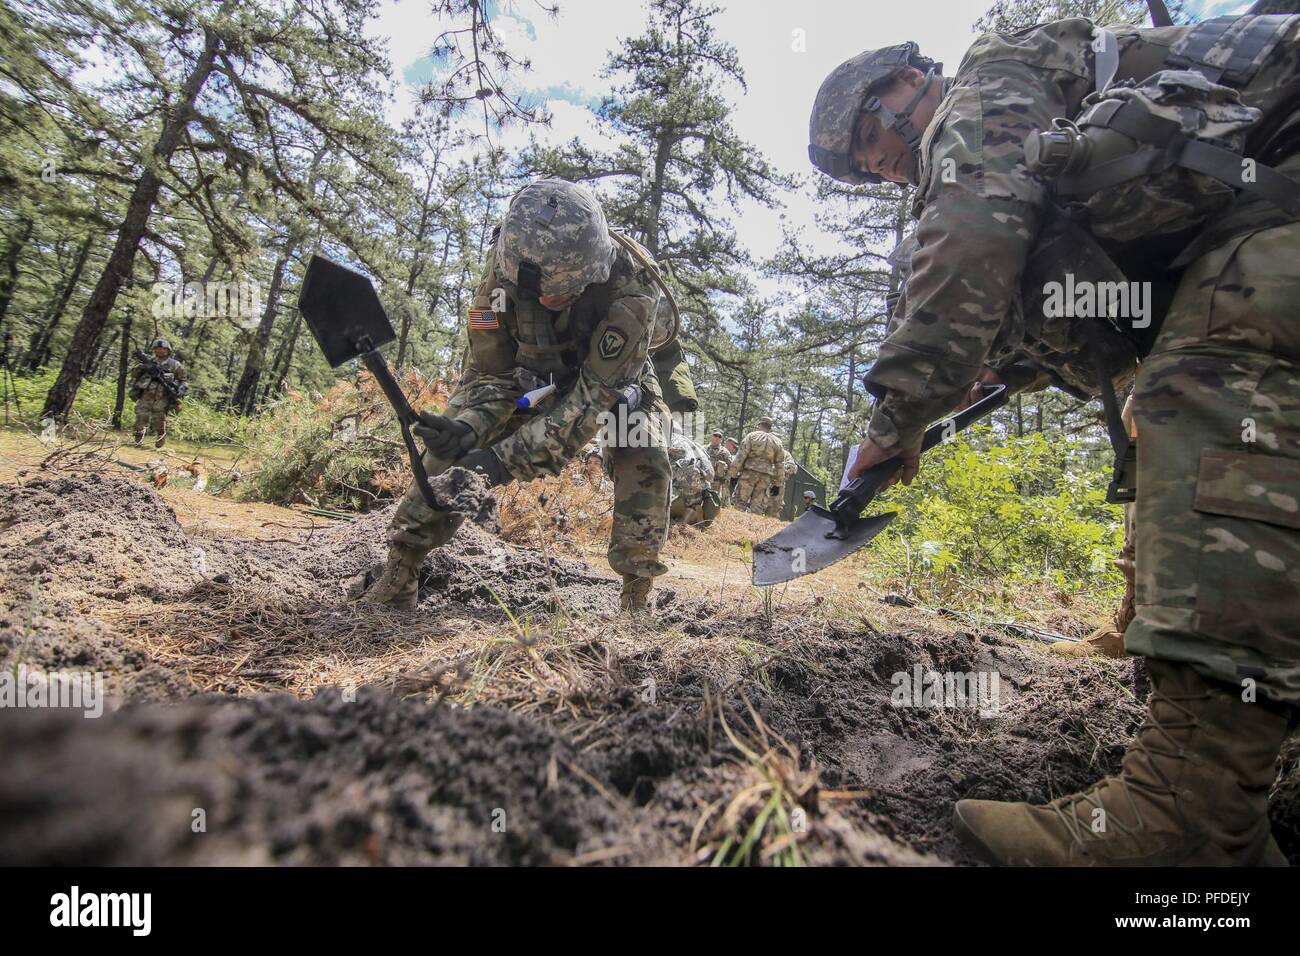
802, 547
343, 312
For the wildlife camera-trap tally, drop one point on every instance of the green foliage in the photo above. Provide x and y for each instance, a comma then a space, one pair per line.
1025, 510
194, 422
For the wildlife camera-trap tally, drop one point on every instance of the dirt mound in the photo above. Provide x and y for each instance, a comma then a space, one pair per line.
279, 780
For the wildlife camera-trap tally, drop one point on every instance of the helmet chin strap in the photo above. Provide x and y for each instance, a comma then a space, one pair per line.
902, 120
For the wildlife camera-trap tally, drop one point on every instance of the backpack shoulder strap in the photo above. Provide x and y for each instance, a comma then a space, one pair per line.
642, 255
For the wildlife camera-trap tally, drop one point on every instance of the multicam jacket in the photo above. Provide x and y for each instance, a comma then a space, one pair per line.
592, 350
959, 312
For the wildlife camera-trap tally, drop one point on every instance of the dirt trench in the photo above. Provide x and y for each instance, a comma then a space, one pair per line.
514, 717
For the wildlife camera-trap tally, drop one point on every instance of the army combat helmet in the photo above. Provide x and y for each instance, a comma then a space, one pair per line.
846, 94
161, 344
554, 239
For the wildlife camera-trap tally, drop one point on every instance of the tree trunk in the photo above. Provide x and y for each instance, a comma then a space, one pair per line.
283, 358
123, 370
794, 424
12, 256
848, 405
245, 397
39, 352
101, 355
193, 316
117, 271
744, 406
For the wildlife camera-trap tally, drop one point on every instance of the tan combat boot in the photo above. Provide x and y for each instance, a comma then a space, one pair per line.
399, 584
636, 594
1193, 791
1107, 641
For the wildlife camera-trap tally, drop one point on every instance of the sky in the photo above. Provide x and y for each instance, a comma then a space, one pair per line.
567, 54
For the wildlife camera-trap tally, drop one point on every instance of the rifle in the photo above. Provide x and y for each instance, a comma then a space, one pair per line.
167, 380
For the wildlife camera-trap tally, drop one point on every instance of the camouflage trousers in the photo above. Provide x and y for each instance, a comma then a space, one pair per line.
722, 488
753, 492
151, 414
1218, 510
642, 477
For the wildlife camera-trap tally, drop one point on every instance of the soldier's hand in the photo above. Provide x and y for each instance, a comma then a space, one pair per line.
870, 454
444, 437
976, 391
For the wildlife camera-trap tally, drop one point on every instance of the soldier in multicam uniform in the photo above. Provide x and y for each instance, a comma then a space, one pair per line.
152, 401
1217, 405
720, 458
692, 476
758, 467
733, 449
560, 301
776, 502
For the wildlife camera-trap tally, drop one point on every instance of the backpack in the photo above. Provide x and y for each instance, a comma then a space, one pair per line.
1163, 155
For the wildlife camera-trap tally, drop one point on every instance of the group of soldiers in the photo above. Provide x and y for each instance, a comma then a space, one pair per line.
750, 475
565, 299
1214, 545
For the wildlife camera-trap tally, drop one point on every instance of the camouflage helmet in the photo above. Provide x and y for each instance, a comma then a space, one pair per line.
161, 344
764, 422
554, 239
845, 95
731, 440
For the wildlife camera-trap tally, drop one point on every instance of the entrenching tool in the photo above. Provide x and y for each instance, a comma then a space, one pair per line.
343, 312
822, 536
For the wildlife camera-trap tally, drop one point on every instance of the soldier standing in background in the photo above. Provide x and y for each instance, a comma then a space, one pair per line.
158, 385
721, 460
758, 468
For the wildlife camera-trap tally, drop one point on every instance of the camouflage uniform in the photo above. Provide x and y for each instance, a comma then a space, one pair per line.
152, 403
1217, 404
720, 458
692, 476
758, 466
1192, 461
595, 348
776, 503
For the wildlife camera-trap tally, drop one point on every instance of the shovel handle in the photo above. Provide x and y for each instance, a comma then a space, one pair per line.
863, 489
405, 417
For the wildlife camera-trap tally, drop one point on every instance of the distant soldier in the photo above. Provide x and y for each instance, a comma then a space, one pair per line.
721, 460
759, 467
809, 499
692, 497
593, 467
159, 382
733, 448
776, 503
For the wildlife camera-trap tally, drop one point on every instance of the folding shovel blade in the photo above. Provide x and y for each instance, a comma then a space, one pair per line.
802, 547
343, 312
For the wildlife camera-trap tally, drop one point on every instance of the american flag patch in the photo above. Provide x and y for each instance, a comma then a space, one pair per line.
483, 319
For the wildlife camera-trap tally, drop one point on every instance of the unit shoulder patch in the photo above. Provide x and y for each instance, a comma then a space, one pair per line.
611, 344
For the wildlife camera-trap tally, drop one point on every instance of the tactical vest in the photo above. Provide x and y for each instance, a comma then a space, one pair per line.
553, 345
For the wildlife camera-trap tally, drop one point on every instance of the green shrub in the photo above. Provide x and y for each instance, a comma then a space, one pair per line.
1024, 510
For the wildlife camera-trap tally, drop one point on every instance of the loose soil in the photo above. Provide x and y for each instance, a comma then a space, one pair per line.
258, 715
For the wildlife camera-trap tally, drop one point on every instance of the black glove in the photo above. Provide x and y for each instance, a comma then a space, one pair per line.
632, 396
774, 490
444, 437
486, 463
